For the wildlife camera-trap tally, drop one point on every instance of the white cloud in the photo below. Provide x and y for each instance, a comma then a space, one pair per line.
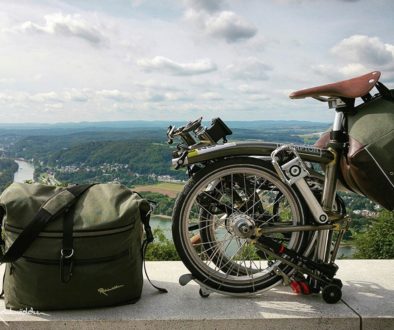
69, 25
229, 26
353, 69
206, 5
249, 69
327, 70
115, 94
46, 97
49, 60
53, 106
357, 55
213, 96
7, 80
285, 2
75, 95
249, 89
165, 65
208, 16
365, 50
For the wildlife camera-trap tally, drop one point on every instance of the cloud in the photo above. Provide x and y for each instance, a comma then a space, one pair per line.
165, 65
365, 50
221, 24
249, 69
353, 69
53, 106
286, 2
358, 55
206, 5
229, 26
115, 94
46, 97
212, 96
75, 95
250, 89
64, 25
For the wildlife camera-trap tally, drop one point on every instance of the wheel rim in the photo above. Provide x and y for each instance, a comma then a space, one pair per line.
223, 213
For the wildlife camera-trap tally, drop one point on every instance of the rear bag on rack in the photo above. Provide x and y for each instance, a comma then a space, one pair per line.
368, 167
98, 264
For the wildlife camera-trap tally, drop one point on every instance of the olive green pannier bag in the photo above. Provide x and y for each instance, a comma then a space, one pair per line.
72, 248
368, 166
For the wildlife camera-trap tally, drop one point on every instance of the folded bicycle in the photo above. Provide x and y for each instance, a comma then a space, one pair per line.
254, 215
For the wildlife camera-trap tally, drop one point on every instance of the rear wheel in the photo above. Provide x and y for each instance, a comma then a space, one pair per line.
217, 217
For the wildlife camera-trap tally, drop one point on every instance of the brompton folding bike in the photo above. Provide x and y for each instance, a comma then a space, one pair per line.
254, 215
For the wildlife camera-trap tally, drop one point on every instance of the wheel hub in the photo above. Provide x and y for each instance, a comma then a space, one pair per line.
241, 225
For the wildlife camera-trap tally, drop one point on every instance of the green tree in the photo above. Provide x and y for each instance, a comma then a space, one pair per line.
161, 248
378, 241
7, 169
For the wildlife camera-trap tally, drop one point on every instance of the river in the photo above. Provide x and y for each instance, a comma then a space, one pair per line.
25, 171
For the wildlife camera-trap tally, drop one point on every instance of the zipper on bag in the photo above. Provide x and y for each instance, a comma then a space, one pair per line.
89, 261
59, 234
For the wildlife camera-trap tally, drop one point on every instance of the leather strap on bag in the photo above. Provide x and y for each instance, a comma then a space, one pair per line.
145, 218
50, 210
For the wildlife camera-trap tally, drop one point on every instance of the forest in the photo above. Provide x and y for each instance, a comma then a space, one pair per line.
7, 169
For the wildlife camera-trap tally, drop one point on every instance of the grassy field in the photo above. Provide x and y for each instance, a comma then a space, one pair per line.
164, 188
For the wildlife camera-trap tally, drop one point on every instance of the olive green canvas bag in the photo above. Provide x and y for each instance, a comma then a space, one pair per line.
368, 166
74, 247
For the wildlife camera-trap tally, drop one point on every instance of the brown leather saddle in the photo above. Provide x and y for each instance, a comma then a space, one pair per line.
348, 89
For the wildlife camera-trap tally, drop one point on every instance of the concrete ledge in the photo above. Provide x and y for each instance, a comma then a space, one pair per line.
368, 303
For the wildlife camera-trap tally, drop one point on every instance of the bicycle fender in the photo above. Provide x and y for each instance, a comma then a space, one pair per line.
249, 149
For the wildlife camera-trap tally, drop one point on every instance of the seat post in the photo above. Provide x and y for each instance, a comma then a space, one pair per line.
335, 146
338, 120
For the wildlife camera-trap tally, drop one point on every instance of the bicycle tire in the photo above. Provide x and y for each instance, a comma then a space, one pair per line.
216, 222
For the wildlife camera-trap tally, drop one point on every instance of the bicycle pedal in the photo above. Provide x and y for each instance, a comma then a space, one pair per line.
305, 287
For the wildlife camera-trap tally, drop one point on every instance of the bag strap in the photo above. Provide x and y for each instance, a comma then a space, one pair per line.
48, 211
145, 218
67, 251
384, 91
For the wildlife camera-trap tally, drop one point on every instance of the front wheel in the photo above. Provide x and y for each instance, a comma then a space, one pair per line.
217, 218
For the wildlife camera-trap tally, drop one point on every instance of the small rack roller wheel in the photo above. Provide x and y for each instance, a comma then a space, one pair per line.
331, 293
337, 282
203, 294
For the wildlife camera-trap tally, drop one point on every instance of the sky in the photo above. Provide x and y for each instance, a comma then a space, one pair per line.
72, 61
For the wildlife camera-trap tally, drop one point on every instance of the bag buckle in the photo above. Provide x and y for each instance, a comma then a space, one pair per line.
62, 254
152, 207
66, 264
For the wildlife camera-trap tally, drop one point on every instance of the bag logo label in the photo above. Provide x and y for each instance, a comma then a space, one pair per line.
104, 291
